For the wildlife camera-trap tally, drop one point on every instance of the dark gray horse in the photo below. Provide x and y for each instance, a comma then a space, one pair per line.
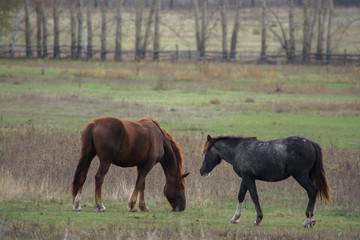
270, 161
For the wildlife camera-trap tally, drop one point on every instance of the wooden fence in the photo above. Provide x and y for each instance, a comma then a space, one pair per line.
187, 56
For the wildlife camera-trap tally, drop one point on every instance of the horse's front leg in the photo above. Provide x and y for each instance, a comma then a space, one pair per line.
99, 179
241, 197
139, 186
250, 183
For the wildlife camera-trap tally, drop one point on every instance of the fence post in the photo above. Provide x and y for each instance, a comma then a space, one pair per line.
177, 53
189, 55
345, 56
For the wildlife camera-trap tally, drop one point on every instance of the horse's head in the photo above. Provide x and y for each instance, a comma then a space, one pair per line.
174, 191
211, 158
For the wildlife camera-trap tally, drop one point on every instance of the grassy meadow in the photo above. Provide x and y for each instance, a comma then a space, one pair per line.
44, 106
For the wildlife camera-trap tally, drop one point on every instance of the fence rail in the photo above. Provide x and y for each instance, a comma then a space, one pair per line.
66, 52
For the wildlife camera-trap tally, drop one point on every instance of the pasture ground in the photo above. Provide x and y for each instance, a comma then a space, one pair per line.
42, 115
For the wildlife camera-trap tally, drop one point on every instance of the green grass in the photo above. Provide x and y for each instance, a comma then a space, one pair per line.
41, 117
206, 216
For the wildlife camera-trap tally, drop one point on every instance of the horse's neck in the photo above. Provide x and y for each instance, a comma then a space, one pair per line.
171, 169
226, 153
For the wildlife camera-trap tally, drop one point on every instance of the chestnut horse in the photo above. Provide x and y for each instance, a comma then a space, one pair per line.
124, 143
270, 161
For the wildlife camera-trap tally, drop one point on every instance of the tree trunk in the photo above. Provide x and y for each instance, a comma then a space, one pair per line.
263, 31
89, 30
157, 30
148, 26
224, 28
197, 25
321, 26
118, 37
328, 38
291, 55
103, 30
311, 9
203, 27
306, 34
139, 5
38, 28
16, 30
44, 29
27, 30
235, 30
72, 29
80, 24
56, 29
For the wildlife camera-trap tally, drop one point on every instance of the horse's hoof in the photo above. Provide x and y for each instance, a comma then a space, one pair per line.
309, 223
234, 221
144, 208
77, 209
100, 207
132, 210
256, 223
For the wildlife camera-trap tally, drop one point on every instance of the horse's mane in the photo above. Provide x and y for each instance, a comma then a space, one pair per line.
174, 145
210, 142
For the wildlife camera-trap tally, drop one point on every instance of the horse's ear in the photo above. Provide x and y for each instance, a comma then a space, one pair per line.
208, 137
185, 175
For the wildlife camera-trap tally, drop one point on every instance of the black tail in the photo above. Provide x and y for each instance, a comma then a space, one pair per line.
318, 176
88, 152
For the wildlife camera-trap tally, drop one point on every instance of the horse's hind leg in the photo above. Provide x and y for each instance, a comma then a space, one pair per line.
311, 190
99, 179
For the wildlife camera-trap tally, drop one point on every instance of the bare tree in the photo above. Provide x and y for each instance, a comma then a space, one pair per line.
328, 38
27, 30
223, 6
38, 28
139, 5
157, 30
263, 31
89, 30
72, 29
56, 29
291, 54
203, 27
235, 30
103, 29
283, 37
44, 29
148, 26
197, 25
80, 24
321, 26
118, 37
15, 32
309, 15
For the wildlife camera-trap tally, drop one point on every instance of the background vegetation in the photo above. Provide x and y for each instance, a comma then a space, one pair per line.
44, 106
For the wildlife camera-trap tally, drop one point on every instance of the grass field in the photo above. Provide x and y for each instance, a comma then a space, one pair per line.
42, 116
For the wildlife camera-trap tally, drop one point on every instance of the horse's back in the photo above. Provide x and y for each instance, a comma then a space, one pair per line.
126, 143
278, 159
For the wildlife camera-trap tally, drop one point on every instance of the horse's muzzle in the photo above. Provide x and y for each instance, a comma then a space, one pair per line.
204, 174
179, 209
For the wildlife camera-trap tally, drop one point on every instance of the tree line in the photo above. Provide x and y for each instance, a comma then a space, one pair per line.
316, 15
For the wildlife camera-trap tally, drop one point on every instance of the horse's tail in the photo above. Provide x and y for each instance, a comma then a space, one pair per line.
318, 175
88, 152
175, 150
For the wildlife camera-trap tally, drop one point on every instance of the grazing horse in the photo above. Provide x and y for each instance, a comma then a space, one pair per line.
124, 143
270, 161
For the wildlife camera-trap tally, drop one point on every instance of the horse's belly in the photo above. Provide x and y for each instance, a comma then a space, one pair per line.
271, 174
273, 177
